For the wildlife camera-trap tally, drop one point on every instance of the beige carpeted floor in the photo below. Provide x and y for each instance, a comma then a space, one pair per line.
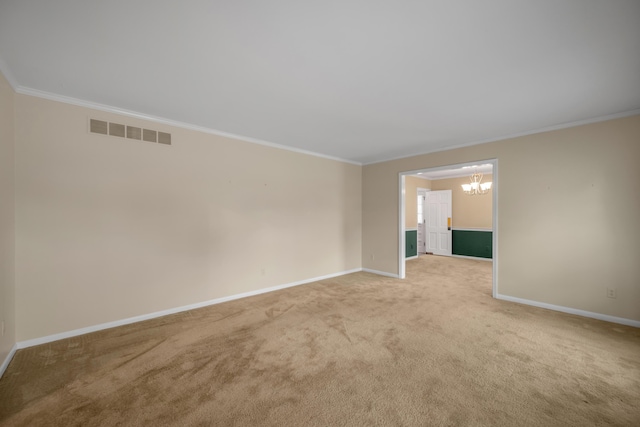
434, 349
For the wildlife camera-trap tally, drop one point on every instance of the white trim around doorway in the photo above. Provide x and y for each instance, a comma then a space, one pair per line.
401, 215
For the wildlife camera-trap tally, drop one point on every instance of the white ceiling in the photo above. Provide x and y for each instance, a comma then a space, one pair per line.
358, 80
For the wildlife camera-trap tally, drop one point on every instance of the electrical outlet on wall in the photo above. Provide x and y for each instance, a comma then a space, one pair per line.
611, 293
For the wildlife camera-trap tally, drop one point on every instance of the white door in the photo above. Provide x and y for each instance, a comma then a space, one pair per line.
438, 222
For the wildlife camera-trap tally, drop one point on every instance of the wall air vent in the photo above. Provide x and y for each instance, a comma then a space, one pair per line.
134, 132
164, 138
149, 135
130, 132
98, 126
116, 129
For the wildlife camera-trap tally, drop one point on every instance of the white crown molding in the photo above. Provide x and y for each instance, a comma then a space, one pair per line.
465, 172
421, 177
110, 109
569, 310
7, 360
135, 319
451, 171
620, 115
123, 112
453, 167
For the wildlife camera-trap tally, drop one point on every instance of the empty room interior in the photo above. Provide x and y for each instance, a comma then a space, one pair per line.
279, 213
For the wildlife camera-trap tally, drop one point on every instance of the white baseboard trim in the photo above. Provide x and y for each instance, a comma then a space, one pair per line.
411, 257
8, 359
380, 273
473, 257
127, 321
569, 310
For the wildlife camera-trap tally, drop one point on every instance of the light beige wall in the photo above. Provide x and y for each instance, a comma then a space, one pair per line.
411, 186
7, 219
110, 228
467, 211
568, 209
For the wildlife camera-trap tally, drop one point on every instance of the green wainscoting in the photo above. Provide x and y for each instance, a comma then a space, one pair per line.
411, 243
473, 243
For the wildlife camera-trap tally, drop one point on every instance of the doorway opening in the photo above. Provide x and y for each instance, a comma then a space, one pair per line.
461, 169
421, 201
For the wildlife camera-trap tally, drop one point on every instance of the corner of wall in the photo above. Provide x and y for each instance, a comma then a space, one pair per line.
7, 224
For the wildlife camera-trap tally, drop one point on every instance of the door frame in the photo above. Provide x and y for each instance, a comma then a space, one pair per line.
423, 191
494, 213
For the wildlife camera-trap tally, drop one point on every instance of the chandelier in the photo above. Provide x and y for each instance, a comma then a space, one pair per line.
476, 186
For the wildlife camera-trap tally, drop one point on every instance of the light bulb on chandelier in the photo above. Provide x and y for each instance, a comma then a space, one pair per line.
476, 186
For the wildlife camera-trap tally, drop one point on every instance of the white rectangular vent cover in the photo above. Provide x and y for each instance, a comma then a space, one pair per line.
130, 132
